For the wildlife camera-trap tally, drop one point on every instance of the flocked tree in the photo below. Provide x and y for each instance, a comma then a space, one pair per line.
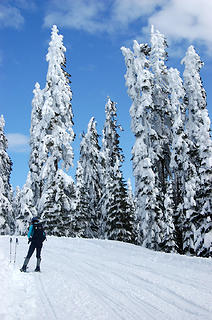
88, 213
51, 138
198, 131
37, 157
172, 152
26, 200
24, 206
6, 211
179, 156
148, 210
81, 220
118, 219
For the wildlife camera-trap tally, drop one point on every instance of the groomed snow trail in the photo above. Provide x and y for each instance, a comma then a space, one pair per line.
103, 280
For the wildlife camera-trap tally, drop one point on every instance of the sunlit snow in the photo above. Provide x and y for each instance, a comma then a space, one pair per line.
103, 280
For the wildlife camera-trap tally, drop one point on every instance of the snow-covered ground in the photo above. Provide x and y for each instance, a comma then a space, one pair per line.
103, 280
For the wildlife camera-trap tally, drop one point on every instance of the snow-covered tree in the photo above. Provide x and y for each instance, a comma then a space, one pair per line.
37, 157
198, 131
119, 223
6, 211
110, 151
131, 207
172, 152
50, 140
59, 202
179, 155
87, 221
131, 199
161, 115
26, 200
81, 220
183, 171
169, 243
118, 219
148, 209
25, 204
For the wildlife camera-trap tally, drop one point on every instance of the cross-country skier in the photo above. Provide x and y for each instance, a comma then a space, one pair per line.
36, 236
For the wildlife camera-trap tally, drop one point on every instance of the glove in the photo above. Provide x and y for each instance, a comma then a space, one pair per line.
30, 239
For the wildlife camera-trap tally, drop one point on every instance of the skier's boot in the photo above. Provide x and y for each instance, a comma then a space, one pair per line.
37, 269
23, 269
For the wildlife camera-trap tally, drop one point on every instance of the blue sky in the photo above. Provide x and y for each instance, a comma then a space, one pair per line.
94, 31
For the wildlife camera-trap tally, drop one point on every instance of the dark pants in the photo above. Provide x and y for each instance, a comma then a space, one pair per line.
32, 248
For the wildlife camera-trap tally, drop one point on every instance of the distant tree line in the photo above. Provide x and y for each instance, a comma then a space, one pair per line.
171, 209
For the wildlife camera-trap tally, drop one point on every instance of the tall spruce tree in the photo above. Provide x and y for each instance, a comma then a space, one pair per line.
179, 156
26, 200
88, 212
37, 157
118, 218
51, 138
162, 114
198, 131
148, 210
6, 211
183, 171
81, 220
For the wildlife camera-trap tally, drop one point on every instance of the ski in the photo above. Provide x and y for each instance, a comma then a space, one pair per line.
16, 244
11, 240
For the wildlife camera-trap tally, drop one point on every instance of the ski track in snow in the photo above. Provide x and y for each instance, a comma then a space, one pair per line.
103, 280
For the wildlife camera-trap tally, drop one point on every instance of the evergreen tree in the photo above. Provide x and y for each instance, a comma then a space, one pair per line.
179, 163
131, 211
130, 195
198, 131
51, 138
118, 218
110, 150
26, 200
6, 212
162, 113
172, 153
37, 156
26, 209
81, 220
169, 236
184, 172
148, 211
88, 212
59, 202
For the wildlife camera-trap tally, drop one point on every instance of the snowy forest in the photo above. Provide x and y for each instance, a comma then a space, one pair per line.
170, 209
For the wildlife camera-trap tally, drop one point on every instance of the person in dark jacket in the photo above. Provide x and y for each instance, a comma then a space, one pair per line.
36, 236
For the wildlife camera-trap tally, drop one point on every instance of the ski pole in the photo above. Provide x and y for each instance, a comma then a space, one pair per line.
11, 249
16, 243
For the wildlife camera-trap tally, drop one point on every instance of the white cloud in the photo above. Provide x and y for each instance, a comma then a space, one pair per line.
94, 15
127, 11
10, 16
81, 14
18, 142
185, 20
178, 19
11, 12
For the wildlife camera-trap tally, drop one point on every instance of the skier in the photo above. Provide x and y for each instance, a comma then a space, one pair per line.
36, 236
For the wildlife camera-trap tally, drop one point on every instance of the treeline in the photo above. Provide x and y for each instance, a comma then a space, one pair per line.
171, 209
